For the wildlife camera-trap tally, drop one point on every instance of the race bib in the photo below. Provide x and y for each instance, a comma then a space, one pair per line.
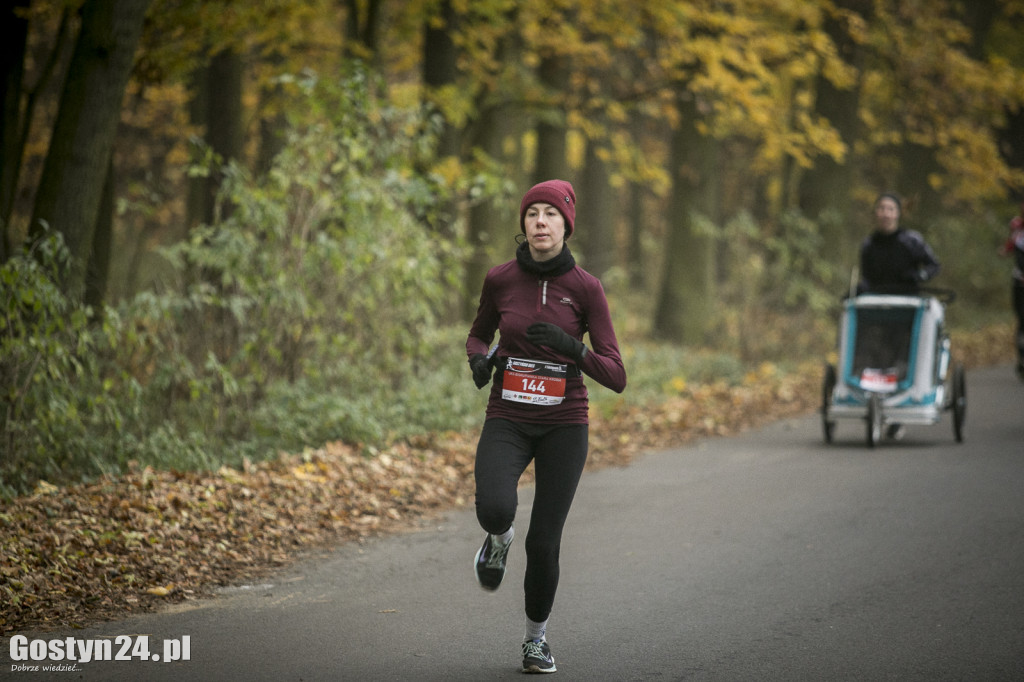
879, 380
533, 381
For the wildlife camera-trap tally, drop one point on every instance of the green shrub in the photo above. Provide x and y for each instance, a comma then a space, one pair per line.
309, 313
62, 403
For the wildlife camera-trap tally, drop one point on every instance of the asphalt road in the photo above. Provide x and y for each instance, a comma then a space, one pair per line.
768, 556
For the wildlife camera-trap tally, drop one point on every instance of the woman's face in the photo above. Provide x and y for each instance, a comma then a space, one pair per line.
545, 231
887, 215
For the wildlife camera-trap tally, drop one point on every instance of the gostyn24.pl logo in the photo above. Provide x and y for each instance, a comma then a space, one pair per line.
37, 655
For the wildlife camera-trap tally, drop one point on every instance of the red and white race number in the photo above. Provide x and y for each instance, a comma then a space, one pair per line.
879, 380
533, 381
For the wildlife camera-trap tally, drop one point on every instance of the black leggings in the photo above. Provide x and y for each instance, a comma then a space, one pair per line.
503, 453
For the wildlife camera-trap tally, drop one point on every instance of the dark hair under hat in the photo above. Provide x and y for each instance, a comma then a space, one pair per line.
559, 194
891, 195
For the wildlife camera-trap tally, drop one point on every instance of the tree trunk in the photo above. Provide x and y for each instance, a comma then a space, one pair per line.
595, 215
216, 107
487, 224
685, 307
1011, 142
273, 122
362, 30
440, 68
74, 173
14, 36
489, 230
224, 131
826, 187
917, 162
98, 271
638, 221
552, 160
635, 223
978, 16
197, 207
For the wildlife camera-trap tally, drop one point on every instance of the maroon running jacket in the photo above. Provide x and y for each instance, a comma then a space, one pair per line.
514, 298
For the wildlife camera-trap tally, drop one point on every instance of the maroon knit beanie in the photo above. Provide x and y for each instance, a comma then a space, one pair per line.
559, 194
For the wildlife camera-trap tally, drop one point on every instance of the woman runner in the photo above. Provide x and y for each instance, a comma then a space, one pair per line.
541, 303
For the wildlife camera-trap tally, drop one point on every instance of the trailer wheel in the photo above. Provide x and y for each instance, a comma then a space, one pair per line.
959, 402
874, 421
828, 426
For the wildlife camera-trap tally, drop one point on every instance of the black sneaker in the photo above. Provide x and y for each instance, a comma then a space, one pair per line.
537, 657
489, 563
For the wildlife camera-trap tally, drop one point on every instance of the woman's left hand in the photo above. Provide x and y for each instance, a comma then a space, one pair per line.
552, 336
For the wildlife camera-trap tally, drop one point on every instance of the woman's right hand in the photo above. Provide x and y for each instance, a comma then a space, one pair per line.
481, 367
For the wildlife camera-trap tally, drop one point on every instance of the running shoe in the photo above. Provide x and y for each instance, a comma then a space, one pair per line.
537, 657
489, 563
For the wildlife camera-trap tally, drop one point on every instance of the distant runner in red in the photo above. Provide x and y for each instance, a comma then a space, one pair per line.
1014, 247
541, 304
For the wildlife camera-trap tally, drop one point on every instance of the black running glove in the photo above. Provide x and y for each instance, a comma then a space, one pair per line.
481, 367
552, 336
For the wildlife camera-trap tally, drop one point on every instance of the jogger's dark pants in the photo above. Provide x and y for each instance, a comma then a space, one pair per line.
503, 453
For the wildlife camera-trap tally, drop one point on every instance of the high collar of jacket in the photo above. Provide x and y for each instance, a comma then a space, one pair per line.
559, 265
883, 237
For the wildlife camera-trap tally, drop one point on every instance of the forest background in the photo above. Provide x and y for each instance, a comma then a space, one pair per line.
232, 230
